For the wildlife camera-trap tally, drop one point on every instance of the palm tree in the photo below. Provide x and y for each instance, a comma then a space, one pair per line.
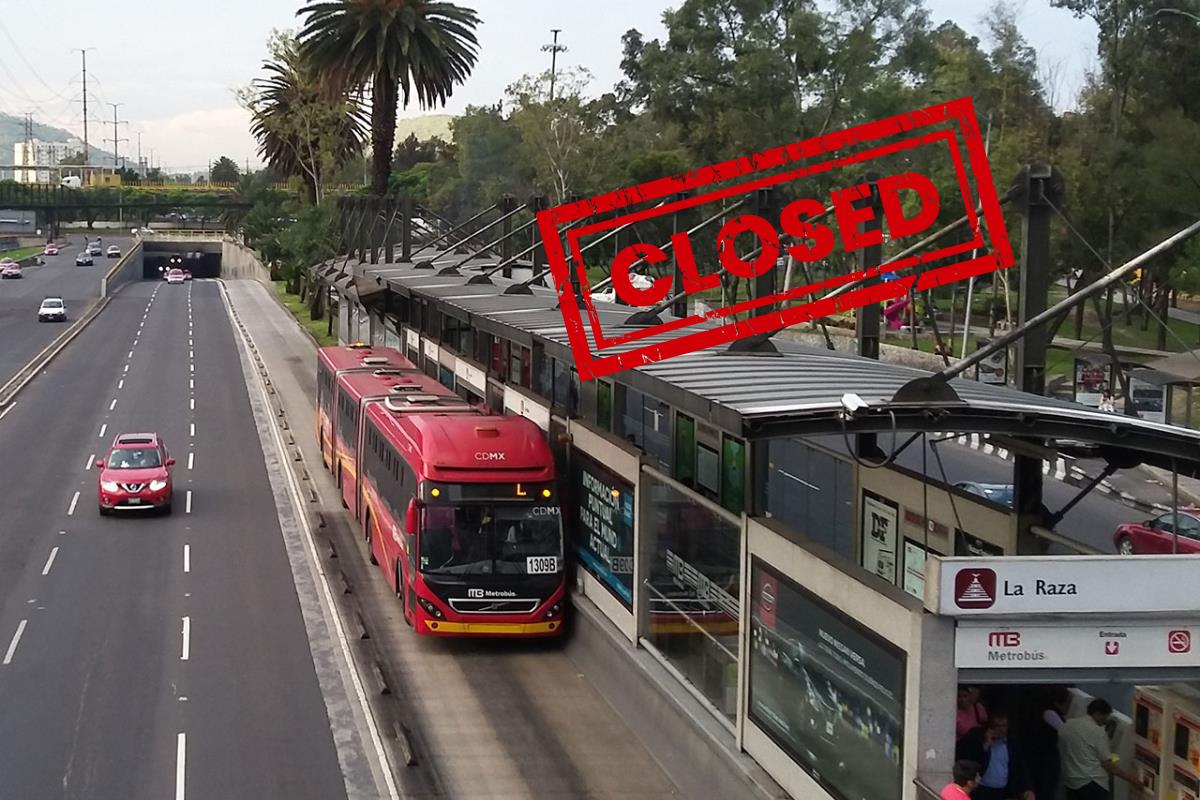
292, 121
398, 48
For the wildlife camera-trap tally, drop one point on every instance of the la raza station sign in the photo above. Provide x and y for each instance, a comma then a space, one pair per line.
1025, 585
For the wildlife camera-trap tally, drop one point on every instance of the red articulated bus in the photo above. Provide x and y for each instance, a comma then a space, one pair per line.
333, 362
459, 508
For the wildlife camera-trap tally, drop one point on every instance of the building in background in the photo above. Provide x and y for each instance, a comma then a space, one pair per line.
36, 153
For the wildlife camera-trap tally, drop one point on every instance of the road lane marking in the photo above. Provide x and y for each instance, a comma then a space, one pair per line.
191, 459
91, 460
191, 353
191, 383
4, 413
189, 341
103, 428
121, 384
50, 561
192, 404
127, 368
74, 500
113, 404
193, 431
187, 558
188, 506
180, 758
187, 638
12, 646
191, 367
131, 354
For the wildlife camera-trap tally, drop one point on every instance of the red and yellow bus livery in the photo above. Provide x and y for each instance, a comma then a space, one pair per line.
458, 505
332, 362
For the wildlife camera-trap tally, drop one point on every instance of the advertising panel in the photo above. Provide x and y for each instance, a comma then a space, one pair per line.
993, 370
825, 690
880, 528
604, 507
1148, 400
1093, 377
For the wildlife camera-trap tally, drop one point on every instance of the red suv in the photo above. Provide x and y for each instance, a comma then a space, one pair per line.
136, 475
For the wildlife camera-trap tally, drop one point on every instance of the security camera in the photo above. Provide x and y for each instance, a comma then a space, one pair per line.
852, 403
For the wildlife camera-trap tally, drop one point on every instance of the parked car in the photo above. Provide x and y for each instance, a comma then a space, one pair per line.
998, 493
84, 259
11, 271
1157, 536
114, 251
53, 309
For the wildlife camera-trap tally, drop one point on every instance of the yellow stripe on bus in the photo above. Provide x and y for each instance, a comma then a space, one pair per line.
491, 628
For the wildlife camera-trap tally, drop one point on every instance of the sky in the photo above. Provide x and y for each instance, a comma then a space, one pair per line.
175, 66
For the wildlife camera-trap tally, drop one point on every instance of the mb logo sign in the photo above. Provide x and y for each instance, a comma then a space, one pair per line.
1004, 639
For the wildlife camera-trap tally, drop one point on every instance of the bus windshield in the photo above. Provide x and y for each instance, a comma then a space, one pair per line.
486, 538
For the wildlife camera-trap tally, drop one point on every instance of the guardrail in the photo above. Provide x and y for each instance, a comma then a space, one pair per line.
177, 234
120, 265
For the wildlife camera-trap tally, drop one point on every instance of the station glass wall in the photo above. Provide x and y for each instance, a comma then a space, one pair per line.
809, 490
692, 588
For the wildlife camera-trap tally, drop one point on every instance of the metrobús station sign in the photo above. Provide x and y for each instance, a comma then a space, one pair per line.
1020, 585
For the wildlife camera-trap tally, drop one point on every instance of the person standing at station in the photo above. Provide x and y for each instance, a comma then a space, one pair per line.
1001, 761
1087, 756
966, 778
971, 713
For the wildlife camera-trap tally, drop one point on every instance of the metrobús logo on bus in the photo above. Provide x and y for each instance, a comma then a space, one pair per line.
758, 233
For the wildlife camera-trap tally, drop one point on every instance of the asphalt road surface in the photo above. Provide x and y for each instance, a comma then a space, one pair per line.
21, 335
150, 657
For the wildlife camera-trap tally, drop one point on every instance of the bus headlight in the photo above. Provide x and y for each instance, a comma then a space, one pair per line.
430, 608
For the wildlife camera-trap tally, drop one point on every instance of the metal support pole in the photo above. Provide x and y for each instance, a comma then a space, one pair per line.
375, 235
868, 318
507, 204
1031, 349
679, 307
763, 284
389, 234
406, 228
537, 203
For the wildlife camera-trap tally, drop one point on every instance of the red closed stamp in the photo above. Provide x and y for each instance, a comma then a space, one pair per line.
809, 227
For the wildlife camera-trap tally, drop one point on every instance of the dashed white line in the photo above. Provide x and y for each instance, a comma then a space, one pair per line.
191, 367
121, 383
191, 353
187, 558
192, 404
193, 430
127, 368
74, 500
191, 459
131, 354
12, 646
4, 413
103, 428
189, 341
90, 461
187, 509
113, 404
180, 757
187, 638
50, 561
191, 383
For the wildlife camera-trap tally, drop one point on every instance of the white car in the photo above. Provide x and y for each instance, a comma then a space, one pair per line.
175, 276
53, 309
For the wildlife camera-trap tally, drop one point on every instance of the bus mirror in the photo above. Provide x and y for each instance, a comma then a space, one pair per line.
410, 518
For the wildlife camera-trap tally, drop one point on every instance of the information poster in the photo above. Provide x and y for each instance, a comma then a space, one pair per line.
1093, 377
914, 569
1148, 400
827, 691
880, 528
993, 369
604, 505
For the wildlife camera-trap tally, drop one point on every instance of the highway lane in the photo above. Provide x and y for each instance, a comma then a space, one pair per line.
21, 335
137, 631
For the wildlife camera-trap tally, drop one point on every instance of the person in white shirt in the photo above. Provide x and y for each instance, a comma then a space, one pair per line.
1087, 757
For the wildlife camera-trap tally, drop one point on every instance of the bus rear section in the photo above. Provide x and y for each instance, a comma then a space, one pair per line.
464, 520
333, 362
403, 391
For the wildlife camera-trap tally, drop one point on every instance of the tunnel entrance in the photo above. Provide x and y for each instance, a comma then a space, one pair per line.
156, 262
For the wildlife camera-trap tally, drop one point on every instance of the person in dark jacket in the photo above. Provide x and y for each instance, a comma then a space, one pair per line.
1002, 772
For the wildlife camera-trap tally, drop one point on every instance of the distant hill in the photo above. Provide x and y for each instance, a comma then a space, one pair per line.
12, 130
425, 127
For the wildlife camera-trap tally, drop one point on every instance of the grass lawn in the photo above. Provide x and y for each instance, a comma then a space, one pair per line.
22, 252
317, 327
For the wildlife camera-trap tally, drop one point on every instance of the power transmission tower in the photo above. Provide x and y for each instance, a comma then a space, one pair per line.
554, 49
29, 155
83, 51
116, 139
